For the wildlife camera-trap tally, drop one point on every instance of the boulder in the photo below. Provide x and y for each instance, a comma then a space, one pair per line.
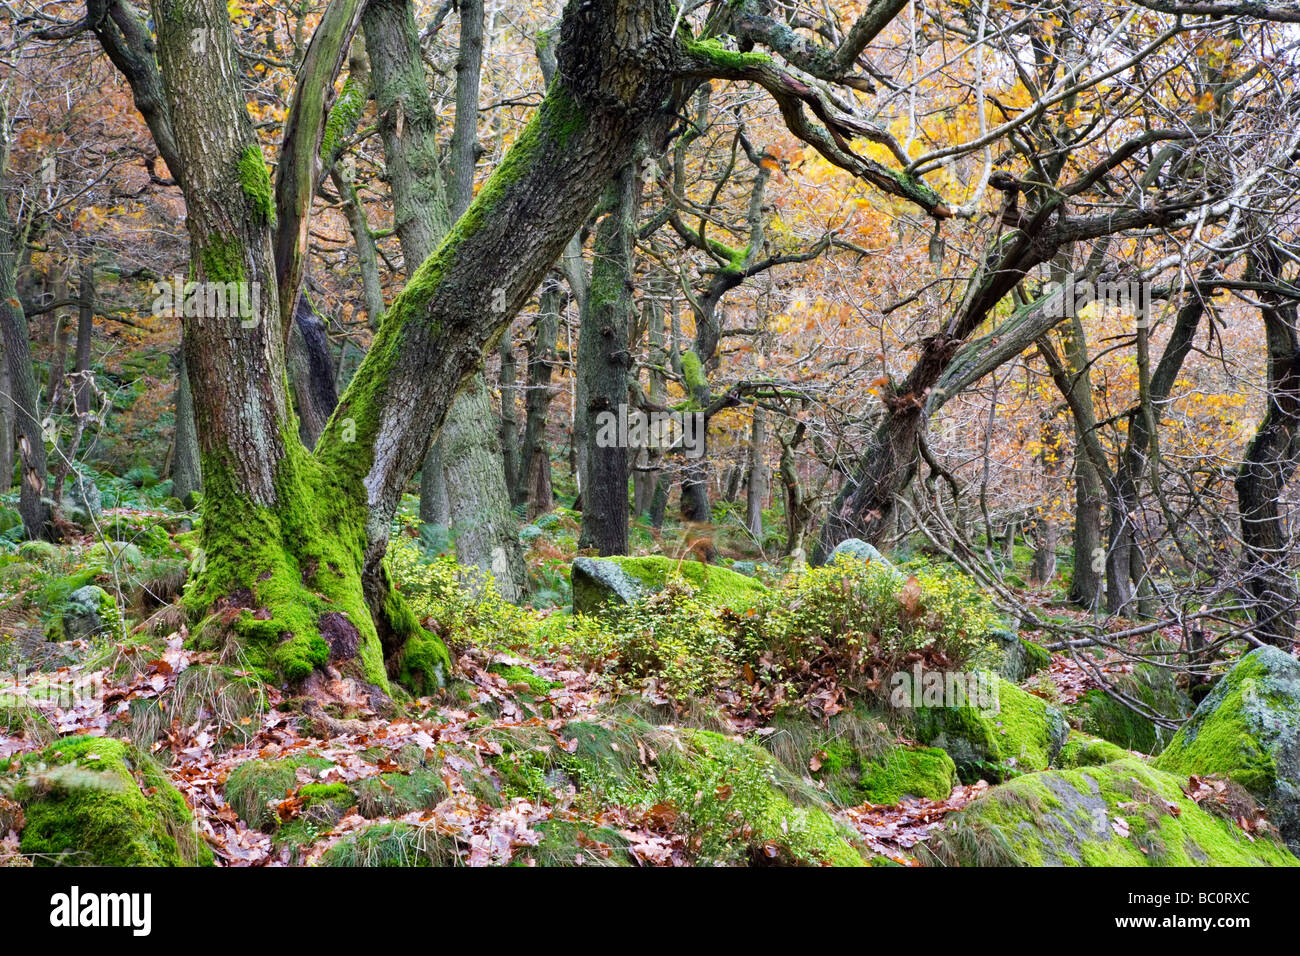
1123, 813
1015, 658
856, 549
599, 582
622, 580
1248, 730
1105, 717
89, 612
102, 802
1018, 733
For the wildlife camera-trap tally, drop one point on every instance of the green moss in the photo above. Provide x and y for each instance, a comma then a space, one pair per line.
255, 180
924, 772
255, 787
1123, 813
425, 664
1222, 739
693, 373
396, 794
713, 50
392, 844
734, 803
223, 259
1037, 658
713, 584
1023, 733
1081, 750
343, 117
99, 801
290, 571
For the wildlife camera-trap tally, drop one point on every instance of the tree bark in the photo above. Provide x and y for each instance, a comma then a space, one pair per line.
535, 456
756, 488
85, 331
603, 365
1269, 464
509, 435
33, 505
187, 478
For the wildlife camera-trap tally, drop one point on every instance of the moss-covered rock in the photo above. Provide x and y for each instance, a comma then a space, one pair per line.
1014, 657
924, 772
101, 802
1158, 691
1123, 813
90, 611
734, 803
855, 549
621, 580
1019, 734
1082, 750
1248, 730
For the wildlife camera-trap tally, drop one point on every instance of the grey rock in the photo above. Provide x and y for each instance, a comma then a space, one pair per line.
596, 583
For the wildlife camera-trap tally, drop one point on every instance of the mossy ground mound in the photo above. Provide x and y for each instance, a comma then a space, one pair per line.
1248, 730
1123, 813
924, 772
99, 801
1021, 733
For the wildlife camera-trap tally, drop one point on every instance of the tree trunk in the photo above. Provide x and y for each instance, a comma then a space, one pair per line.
535, 456
509, 414
603, 366
1269, 463
85, 332
311, 371
756, 490
482, 521
422, 217
6, 426
33, 505
1089, 553
187, 479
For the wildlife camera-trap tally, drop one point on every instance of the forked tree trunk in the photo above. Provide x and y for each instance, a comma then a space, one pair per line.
294, 541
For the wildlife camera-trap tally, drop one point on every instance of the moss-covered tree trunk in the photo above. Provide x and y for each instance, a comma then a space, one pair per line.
293, 575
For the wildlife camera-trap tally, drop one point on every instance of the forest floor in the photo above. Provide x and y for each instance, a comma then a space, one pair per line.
477, 775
